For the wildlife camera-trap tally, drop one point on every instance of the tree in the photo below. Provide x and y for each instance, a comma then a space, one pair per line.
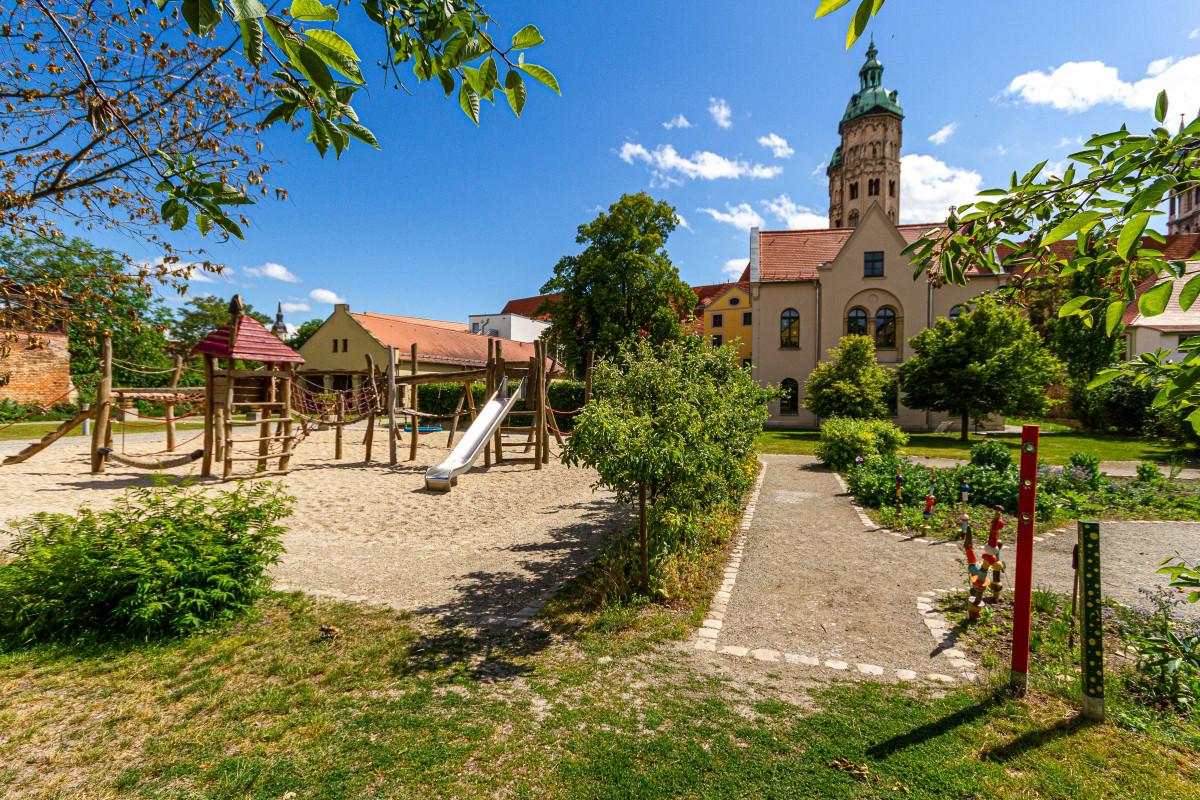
200, 316
852, 384
988, 361
1085, 349
622, 287
304, 333
675, 425
132, 116
99, 295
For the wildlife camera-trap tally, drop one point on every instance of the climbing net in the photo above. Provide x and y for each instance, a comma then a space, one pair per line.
353, 405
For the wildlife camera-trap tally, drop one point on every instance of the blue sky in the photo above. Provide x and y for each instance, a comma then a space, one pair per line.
451, 219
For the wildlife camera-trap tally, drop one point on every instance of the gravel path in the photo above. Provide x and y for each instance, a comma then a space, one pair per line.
814, 581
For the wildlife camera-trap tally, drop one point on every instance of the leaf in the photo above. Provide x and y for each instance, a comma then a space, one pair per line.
828, 7
1104, 377
514, 88
1071, 225
203, 224
529, 36
283, 38
488, 76
541, 75
469, 101
859, 24
1112, 316
447, 80
1160, 106
1189, 293
247, 9
313, 67
1131, 234
313, 11
332, 41
1154, 302
339, 61
1074, 306
359, 132
252, 40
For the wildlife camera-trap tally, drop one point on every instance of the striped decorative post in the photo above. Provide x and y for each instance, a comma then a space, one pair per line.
1023, 596
1091, 655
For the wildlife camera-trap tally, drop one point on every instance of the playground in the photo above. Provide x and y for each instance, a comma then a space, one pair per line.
372, 531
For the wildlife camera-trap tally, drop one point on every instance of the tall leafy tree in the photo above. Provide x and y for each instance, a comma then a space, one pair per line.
988, 361
622, 287
304, 333
200, 316
851, 384
98, 294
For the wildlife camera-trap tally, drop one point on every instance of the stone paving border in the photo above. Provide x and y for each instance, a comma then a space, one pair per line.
710, 628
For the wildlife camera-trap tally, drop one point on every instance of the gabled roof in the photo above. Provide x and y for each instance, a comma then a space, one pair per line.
436, 323
707, 293
1173, 317
796, 255
437, 343
251, 342
526, 306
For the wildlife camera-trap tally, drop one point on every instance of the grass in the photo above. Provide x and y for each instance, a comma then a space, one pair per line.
397, 706
1054, 446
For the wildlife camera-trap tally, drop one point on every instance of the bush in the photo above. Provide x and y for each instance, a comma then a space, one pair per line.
1149, 474
167, 561
1087, 464
442, 398
1166, 652
842, 440
992, 454
851, 383
11, 411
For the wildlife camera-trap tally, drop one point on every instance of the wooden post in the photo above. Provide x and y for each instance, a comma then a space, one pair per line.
369, 439
229, 381
499, 376
209, 443
488, 388
643, 538
285, 457
391, 402
264, 426
544, 401
1023, 590
175, 375
412, 447
587, 375
337, 435
1091, 632
103, 399
454, 420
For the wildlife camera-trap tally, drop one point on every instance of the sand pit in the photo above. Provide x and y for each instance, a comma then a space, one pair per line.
372, 532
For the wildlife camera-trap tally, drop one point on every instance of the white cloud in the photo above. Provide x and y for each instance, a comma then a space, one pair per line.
291, 329
943, 134
677, 121
1055, 168
1159, 65
1080, 85
741, 216
1194, 34
669, 165
819, 169
681, 222
778, 144
722, 114
272, 270
191, 271
1067, 141
296, 308
325, 296
796, 217
929, 187
734, 268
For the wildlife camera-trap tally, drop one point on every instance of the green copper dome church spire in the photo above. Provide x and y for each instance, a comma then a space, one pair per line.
871, 97
871, 73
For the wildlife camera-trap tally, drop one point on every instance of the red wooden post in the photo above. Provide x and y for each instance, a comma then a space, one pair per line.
1022, 599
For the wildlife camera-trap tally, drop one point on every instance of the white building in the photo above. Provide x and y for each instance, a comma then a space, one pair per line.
515, 321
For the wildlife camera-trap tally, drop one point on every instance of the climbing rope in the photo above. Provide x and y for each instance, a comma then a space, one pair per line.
157, 452
163, 419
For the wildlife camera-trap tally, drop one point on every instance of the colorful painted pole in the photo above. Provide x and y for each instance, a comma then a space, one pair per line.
964, 489
1091, 644
930, 499
899, 486
977, 568
1022, 600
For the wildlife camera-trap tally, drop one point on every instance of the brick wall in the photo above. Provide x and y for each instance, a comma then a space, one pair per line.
37, 367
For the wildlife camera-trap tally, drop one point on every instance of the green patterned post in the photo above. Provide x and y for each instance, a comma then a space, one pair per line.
1091, 648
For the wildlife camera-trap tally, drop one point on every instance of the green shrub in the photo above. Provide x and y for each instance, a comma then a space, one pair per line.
842, 440
1149, 474
991, 453
442, 398
1087, 464
167, 561
11, 411
565, 397
1119, 405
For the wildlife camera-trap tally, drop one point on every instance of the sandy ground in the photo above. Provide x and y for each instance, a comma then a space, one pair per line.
371, 531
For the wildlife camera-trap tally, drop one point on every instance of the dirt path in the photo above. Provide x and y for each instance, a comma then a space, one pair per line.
815, 584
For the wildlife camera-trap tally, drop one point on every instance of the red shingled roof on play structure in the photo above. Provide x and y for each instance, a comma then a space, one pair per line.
437, 344
252, 343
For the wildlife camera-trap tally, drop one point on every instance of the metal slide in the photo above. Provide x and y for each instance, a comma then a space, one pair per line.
490, 417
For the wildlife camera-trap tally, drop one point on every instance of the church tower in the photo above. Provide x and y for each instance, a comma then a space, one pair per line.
280, 327
1184, 212
865, 168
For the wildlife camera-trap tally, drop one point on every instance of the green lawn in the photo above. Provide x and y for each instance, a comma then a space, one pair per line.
40, 429
402, 707
1055, 446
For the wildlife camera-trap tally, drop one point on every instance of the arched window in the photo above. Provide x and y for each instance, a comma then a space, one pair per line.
955, 312
885, 328
789, 328
854, 218
856, 322
790, 402
854, 191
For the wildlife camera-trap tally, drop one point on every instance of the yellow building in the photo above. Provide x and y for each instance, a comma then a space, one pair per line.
724, 308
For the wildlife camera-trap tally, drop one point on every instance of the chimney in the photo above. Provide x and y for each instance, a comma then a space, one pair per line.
754, 255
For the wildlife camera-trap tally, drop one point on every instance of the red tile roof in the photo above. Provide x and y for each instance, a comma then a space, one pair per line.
745, 275
252, 342
437, 343
437, 323
796, 255
527, 306
707, 293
